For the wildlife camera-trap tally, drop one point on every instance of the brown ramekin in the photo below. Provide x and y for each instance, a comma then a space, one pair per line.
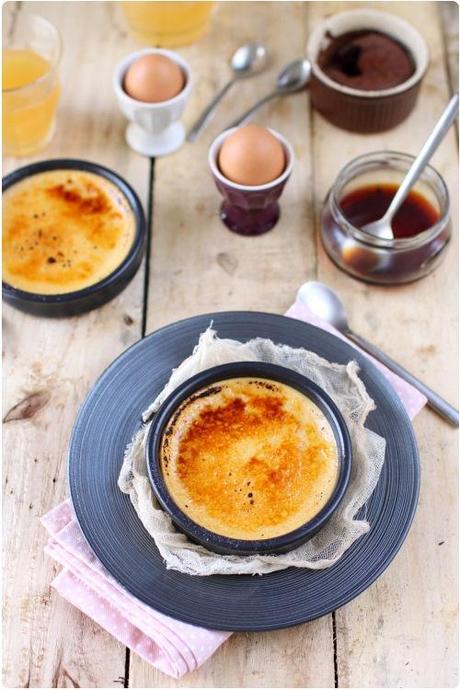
354, 109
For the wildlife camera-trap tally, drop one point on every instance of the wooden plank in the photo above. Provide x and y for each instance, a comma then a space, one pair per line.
449, 18
48, 643
200, 266
402, 631
284, 658
197, 265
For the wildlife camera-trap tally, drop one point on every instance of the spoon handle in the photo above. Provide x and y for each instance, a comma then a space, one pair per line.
245, 117
430, 146
207, 112
443, 408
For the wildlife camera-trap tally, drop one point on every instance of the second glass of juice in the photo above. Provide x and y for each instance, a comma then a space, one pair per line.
30, 88
168, 24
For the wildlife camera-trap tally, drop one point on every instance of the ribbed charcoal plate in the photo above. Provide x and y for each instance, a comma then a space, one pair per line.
110, 415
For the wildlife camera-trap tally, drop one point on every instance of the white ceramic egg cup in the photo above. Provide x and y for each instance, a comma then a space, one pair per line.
154, 128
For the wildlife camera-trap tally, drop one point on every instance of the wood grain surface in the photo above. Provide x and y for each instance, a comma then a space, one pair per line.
46, 642
402, 632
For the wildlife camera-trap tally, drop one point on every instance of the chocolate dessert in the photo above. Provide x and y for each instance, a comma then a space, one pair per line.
367, 60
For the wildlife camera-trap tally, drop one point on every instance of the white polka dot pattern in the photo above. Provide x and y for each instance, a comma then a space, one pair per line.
175, 648
412, 400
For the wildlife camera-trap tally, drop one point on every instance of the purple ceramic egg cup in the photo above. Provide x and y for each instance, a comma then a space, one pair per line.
249, 210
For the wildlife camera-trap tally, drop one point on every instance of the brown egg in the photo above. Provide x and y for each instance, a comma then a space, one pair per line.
153, 78
252, 156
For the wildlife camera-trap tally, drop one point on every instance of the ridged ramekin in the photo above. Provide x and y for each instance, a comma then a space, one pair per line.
355, 109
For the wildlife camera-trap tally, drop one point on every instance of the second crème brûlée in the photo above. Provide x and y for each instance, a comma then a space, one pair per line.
64, 230
249, 458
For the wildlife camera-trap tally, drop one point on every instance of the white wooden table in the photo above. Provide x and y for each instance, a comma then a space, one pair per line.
402, 630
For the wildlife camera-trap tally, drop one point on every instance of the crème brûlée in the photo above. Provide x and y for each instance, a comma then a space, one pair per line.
249, 458
64, 230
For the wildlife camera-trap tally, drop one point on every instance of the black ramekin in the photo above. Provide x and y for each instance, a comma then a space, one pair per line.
242, 547
93, 296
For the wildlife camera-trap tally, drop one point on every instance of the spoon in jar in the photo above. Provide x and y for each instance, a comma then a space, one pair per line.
324, 302
294, 77
247, 61
382, 227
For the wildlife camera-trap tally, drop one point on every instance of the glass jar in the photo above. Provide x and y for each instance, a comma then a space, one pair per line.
370, 258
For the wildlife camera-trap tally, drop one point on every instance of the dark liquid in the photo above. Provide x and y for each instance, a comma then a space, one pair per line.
367, 204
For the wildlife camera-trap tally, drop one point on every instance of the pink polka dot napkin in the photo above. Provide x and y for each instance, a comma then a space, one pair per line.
412, 400
170, 645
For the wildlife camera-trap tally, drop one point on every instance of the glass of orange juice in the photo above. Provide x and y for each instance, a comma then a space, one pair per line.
168, 24
30, 87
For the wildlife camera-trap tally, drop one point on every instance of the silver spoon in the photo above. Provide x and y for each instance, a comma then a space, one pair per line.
294, 77
382, 227
247, 61
323, 302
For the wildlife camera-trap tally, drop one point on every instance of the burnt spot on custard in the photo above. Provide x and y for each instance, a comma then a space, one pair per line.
93, 201
265, 384
83, 235
206, 393
212, 463
192, 399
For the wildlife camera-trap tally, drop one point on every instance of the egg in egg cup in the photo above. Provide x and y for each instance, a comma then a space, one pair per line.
154, 128
249, 209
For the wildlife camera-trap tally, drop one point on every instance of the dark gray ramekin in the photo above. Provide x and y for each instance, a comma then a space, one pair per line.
216, 542
93, 296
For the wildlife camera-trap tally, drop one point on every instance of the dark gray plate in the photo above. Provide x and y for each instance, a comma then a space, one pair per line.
110, 415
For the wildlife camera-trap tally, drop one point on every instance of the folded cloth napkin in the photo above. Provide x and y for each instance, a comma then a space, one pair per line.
412, 400
168, 644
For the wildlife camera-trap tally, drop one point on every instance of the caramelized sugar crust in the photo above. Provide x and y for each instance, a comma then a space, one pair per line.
64, 230
250, 459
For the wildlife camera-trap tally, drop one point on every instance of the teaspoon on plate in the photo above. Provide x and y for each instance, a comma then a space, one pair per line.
247, 61
324, 302
292, 78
